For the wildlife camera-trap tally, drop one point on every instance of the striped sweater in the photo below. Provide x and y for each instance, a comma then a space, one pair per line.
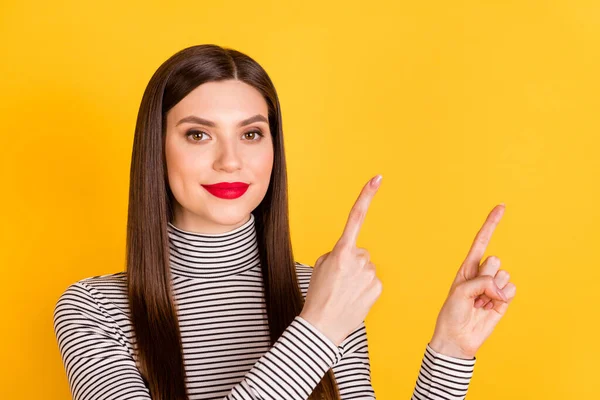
219, 297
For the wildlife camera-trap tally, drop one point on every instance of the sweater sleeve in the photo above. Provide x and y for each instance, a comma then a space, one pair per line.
443, 377
99, 365
293, 366
353, 372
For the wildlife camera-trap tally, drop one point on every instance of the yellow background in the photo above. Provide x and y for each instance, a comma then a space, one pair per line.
460, 105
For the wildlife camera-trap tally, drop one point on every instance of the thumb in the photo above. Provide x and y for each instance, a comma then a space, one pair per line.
484, 284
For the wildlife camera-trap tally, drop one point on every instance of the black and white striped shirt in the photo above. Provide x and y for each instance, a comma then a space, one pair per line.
227, 354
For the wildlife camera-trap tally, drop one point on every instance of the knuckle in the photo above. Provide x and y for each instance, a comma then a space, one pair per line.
481, 240
361, 259
356, 215
364, 254
503, 274
490, 261
370, 273
378, 287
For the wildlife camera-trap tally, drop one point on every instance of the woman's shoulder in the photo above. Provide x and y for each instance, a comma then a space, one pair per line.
106, 282
93, 308
94, 291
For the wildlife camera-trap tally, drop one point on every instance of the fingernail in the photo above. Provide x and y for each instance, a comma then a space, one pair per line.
501, 293
375, 181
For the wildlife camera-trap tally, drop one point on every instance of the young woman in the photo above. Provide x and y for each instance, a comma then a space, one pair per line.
212, 304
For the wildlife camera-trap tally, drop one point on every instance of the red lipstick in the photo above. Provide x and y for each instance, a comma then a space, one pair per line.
227, 190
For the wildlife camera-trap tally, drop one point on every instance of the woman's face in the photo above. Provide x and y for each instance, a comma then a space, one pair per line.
213, 135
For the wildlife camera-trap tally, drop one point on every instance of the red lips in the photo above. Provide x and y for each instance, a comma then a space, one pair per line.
227, 190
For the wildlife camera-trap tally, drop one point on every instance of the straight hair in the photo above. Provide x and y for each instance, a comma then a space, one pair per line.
157, 338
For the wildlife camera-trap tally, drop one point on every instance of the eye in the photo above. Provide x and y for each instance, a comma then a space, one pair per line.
195, 132
257, 135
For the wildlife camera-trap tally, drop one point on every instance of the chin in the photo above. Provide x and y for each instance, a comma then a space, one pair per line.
232, 212
229, 215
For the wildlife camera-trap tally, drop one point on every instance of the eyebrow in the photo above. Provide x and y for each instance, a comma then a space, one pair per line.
198, 120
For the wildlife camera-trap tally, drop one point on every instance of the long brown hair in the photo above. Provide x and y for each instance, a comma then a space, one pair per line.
153, 312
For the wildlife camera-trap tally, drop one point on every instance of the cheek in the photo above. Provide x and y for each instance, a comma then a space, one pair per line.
183, 167
263, 166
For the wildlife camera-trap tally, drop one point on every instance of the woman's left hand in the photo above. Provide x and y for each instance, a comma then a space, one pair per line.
478, 298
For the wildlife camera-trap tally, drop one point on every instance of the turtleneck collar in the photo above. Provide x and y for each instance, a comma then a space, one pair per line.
209, 256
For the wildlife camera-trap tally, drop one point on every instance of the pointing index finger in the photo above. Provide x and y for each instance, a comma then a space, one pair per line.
358, 212
483, 238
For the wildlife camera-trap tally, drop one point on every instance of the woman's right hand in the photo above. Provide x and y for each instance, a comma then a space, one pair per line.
343, 286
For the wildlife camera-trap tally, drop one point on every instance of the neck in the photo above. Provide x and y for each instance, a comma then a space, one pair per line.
212, 255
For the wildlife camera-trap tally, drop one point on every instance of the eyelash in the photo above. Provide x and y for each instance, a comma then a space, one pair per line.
193, 131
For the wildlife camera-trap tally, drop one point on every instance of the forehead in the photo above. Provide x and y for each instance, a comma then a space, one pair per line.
229, 100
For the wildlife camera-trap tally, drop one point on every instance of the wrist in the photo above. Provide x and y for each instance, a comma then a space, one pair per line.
449, 349
318, 326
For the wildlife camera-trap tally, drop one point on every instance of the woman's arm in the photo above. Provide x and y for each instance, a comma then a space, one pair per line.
353, 372
99, 365
465, 321
443, 377
293, 366
440, 376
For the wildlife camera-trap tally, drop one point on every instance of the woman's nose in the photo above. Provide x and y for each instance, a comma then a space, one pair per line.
227, 158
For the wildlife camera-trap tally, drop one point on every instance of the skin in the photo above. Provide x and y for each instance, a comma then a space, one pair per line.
463, 325
200, 154
344, 285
